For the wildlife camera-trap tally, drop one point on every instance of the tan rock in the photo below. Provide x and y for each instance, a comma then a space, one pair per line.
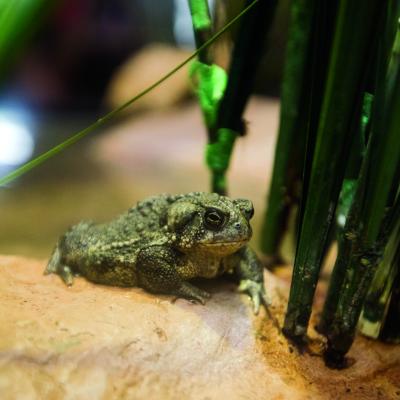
97, 342
143, 69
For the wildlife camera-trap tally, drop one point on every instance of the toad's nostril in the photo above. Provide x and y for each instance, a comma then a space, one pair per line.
237, 225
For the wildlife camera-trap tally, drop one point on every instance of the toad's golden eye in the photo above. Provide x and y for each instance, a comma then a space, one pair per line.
249, 212
214, 219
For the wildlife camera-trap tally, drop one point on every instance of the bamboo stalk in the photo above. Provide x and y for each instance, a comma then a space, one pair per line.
246, 55
345, 247
372, 213
210, 79
357, 20
325, 22
299, 119
347, 234
345, 237
215, 94
391, 329
290, 147
377, 301
202, 27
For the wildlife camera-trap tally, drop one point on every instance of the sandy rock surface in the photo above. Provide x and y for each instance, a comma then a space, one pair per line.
97, 342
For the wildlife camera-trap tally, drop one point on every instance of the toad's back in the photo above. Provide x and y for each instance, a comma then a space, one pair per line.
101, 252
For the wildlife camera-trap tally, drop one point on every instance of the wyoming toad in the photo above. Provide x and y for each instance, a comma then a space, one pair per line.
164, 242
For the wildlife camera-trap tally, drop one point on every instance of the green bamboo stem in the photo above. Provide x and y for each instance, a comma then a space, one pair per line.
323, 33
290, 147
391, 329
373, 212
204, 71
210, 79
345, 247
202, 27
378, 298
346, 237
347, 234
299, 120
356, 19
246, 55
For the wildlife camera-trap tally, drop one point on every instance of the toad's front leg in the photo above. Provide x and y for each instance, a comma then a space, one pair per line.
158, 273
251, 274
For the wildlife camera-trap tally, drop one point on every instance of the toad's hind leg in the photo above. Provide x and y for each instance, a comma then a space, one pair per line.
55, 266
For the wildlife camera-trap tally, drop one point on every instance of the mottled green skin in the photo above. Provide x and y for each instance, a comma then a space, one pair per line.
161, 244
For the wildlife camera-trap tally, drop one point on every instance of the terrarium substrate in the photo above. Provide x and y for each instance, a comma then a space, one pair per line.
92, 341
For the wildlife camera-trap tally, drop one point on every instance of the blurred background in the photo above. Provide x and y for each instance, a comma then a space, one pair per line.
64, 63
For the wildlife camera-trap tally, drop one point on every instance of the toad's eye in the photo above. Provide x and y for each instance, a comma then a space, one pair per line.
249, 212
214, 219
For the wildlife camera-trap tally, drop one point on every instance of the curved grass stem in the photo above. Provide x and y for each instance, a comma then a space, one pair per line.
108, 117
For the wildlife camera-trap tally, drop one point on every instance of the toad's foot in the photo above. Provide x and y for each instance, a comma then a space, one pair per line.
64, 272
56, 267
256, 291
192, 293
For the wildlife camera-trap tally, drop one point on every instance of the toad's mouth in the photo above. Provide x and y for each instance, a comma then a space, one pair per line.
224, 244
